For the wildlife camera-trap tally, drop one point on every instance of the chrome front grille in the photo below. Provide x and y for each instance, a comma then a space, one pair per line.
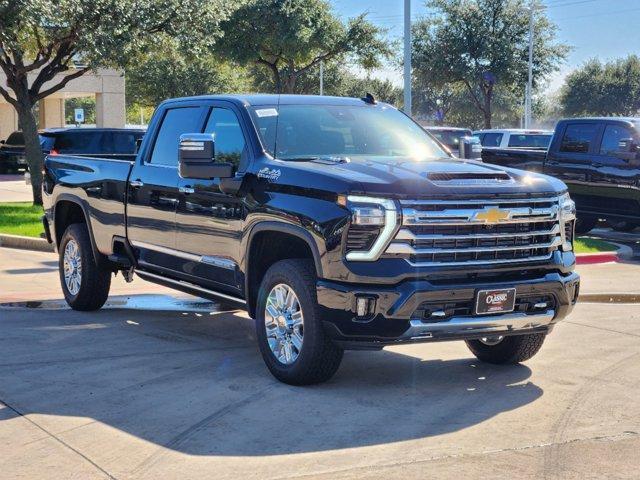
477, 232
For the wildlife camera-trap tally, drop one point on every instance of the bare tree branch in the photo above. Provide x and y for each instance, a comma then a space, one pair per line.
9, 98
63, 83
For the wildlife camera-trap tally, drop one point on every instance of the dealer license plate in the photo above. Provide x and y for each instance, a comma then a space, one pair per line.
495, 301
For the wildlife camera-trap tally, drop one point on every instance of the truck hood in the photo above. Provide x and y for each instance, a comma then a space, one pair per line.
409, 178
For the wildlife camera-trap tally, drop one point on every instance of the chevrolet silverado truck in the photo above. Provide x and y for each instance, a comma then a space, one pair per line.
337, 223
599, 160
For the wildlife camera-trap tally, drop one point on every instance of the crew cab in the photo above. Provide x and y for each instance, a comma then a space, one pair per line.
337, 223
599, 160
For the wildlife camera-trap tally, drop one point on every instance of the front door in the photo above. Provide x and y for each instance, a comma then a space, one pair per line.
153, 190
209, 222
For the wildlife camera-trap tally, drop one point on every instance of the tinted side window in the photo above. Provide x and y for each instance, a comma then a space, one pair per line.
529, 140
176, 121
491, 140
78, 143
228, 137
578, 137
611, 139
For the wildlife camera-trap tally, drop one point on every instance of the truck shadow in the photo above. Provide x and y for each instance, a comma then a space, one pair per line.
195, 383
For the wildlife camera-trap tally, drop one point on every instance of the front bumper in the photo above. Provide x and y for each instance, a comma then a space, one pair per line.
399, 315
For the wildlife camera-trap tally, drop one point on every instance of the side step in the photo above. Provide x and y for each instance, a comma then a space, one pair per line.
122, 262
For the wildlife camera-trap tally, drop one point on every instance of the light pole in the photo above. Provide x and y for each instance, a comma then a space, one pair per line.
321, 77
527, 100
407, 57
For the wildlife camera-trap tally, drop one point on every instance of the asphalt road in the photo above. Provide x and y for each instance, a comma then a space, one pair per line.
159, 388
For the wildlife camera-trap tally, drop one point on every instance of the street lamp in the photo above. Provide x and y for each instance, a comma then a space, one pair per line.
407, 57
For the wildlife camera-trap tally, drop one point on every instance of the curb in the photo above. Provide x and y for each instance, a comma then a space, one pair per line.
609, 297
25, 243
623, 252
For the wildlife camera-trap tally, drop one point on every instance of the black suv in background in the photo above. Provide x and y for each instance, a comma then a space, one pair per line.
12, 157
115, 143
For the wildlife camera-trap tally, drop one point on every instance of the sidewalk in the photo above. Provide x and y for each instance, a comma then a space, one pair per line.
14, 189
617, 278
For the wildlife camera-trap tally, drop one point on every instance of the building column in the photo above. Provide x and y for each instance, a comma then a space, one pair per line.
51, 112
110, 110
8, 120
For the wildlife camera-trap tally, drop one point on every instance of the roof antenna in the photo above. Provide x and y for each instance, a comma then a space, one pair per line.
370, 99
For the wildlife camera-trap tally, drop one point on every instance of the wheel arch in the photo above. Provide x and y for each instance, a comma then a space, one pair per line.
68, 210
300, 244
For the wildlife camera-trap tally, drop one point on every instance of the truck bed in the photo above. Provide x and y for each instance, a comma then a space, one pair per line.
98, 186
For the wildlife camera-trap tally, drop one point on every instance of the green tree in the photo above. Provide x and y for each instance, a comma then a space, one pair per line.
289, 38
45, 44
482, 46
167, 72
609, 89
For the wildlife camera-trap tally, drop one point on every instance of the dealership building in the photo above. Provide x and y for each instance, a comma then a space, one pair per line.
106, 85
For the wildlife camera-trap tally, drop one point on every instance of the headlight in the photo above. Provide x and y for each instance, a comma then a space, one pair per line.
567, 221
373, 222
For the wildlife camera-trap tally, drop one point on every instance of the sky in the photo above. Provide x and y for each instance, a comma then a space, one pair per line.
603, 29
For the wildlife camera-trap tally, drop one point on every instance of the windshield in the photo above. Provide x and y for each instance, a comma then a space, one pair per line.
293, 132
530, 140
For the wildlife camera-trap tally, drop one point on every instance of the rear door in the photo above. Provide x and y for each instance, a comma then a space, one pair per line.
616, 174
209, 221
153, 189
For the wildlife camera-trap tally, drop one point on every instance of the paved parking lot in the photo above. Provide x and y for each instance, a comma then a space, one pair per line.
182, 392
14, 189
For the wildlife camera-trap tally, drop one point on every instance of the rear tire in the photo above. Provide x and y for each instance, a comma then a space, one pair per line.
85, 284
311, 357
585, 224
509, 350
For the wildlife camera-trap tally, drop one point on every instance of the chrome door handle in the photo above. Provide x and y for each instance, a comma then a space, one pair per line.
136, 183
186, 190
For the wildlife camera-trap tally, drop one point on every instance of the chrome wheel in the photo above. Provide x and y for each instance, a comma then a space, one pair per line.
72, 262
284, 323
491, 341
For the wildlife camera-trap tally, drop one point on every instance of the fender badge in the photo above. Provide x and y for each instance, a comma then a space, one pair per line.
271, 175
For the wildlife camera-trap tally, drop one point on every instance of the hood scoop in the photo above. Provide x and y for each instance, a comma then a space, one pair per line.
470, 178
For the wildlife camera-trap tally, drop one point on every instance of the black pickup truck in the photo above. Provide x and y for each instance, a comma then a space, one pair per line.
338, 223
598, 158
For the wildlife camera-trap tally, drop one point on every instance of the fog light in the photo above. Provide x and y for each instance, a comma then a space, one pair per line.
365, 306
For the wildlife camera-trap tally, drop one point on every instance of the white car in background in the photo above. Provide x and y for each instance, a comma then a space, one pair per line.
514, 138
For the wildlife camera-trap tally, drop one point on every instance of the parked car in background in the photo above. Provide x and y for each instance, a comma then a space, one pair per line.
598, 158
12, 158
514, 138
116, 143
449, 136
338, 223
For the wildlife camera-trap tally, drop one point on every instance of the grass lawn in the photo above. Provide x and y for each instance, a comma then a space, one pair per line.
592, 245
21, 218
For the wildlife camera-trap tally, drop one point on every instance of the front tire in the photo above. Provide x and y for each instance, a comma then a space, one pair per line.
289, 329
507, 350
85, 284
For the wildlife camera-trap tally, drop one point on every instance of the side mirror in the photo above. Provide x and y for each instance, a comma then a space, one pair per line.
196, 158
2, 142
626, 145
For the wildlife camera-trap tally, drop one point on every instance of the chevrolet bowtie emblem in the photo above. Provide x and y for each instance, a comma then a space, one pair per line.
492, 215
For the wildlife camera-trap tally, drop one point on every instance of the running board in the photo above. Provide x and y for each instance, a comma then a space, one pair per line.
189, 287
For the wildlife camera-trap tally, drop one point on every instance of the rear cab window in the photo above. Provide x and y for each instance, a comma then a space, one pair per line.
578, 137
529, 140
611, 138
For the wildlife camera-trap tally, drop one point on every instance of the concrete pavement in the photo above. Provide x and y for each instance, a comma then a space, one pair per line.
14, 189
182, 393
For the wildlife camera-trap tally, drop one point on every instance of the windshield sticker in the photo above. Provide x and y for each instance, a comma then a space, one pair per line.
268, 174
267, 112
